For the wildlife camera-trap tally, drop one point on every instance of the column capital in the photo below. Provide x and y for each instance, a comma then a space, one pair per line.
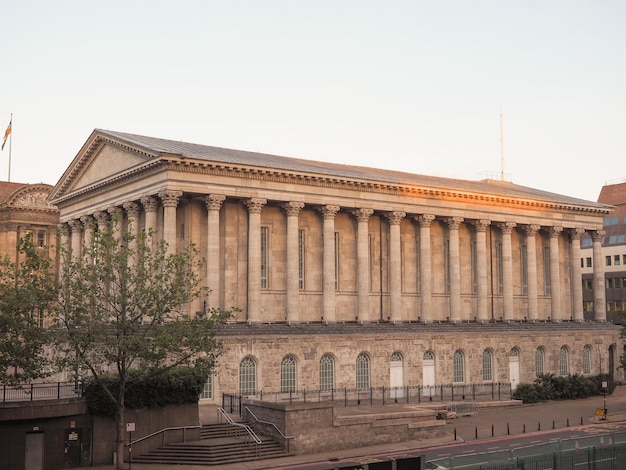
362, 215
255, 205
132, 209
170, 197
454, 222
395, 217
115, 212
576, 233
149, 203
214, 201
425, 219
293, 208
531, 229
507, 227
75, 225
481, 224
329, 211
63, 228
102, 218
555, 231
88, 221
596, 235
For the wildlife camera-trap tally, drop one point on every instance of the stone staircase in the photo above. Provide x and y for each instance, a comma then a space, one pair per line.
219, 444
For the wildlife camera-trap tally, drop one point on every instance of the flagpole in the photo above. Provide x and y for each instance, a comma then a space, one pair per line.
10, 145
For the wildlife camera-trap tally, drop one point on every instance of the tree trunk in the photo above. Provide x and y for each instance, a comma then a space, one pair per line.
121, 448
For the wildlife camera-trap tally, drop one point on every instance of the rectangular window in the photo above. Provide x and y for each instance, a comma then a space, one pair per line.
524, 268
547, 279
264, 257
207, 392
611, 306
623, 259
336, 260
582, 262
616, 260
500, 268
41, 238
301, 259
588, 284
608, 260
588, 306
609, 283
589, 263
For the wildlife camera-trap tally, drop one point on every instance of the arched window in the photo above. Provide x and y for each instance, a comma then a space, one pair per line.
247, 376
587, 359
430, 356
327, 372
539, 361
362, 372
487, 365
564, 361
396, 357
458, 372
288, 374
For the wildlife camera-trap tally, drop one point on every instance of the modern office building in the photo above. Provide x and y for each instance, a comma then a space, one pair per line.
612, 257
355, 277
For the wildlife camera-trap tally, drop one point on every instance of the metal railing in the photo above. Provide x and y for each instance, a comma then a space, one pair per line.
496, 391
241, 426
286, 439
163, 431
40, 391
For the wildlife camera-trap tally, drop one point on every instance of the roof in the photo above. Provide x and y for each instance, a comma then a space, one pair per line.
240, 157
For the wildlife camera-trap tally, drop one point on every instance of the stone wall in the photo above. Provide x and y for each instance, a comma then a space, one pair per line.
327, 430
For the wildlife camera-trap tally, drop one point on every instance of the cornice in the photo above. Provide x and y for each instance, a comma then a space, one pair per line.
185, 165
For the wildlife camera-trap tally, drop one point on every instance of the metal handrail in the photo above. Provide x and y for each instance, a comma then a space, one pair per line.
285, 438
155, 433
245, 427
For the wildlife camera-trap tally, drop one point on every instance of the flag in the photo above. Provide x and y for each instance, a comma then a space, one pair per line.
6, 134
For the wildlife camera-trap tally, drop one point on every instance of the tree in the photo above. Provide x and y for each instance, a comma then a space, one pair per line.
122, 308
26, 293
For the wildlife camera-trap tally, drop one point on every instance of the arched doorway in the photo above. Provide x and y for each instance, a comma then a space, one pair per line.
428, 374
396, 375
514, 367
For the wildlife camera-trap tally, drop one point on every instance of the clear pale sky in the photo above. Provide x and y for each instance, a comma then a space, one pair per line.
412, 85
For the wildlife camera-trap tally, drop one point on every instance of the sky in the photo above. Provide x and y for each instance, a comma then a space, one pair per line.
530, 90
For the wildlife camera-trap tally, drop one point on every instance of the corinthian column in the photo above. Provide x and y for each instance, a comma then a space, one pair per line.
75, 227
255, 206
507, 270
455, 268
213, 204
169, 199
555, 274
482, 305
577, 285
150, 205
426, 281
362, 264
599, 293
395, 265
531, 270
328, 261
293, 261
88, 230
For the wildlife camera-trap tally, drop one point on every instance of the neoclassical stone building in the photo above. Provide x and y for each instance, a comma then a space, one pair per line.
354, 277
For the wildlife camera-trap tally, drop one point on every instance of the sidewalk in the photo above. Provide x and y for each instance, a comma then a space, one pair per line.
529, 417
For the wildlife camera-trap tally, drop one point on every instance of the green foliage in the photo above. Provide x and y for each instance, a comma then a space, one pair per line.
552, 387
173, 387
27, 290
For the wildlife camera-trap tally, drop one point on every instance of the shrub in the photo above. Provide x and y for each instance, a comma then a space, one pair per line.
176, 386
552, 387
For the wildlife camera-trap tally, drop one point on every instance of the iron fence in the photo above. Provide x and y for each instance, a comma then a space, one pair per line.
40, 391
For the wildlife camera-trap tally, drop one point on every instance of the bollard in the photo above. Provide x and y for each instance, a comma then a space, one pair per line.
553, 424
567, 423
539, 426
476, 432
524, 428
455, 434
507, 429
581, 420
492, 430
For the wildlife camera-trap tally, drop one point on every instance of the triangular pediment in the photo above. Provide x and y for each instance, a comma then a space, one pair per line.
109, 161
101, 158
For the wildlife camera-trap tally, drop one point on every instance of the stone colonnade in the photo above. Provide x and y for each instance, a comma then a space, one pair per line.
80, 231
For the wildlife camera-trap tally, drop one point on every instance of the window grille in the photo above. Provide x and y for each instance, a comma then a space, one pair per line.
288, 374
487, 365
362, 372
247, 376
458, 374
587, 360
327, 372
